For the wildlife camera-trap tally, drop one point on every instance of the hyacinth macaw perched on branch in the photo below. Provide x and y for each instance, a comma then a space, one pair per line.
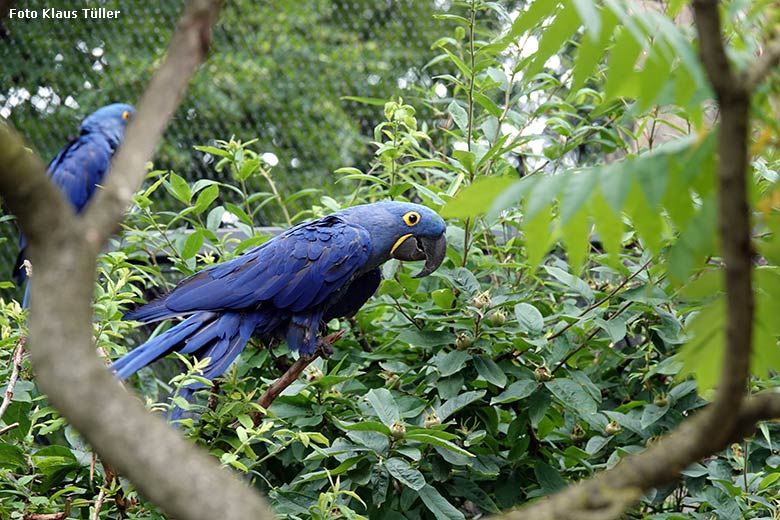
81, 165
289, 286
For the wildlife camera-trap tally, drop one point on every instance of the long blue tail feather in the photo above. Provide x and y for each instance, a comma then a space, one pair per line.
219, 337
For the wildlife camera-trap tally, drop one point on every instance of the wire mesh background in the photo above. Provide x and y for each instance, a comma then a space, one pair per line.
278, 71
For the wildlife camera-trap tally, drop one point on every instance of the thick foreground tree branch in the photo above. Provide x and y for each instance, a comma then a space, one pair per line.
184, 480
730, 416
610, 493
733, 220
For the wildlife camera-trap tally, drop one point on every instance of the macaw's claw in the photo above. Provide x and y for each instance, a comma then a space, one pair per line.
325, 345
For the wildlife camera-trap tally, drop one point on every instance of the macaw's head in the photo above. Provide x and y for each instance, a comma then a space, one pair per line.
110, 120
404, 231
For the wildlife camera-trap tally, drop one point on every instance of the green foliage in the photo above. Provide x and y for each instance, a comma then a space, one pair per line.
558, 336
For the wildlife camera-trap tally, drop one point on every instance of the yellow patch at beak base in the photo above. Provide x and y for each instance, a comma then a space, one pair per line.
399, 242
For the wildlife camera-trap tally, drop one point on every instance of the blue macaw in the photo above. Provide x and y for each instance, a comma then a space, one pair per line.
81, 165
289, 286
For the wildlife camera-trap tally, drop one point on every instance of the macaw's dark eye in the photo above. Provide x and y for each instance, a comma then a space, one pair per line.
126, 115
412, 218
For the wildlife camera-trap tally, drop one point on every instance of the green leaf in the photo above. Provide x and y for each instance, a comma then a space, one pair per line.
531, 17
543, 193
459, 115
549, 478
490, 371
364, 426
651, 173
654, 75
451, 362
621, 61
427, 438
608, 224
573, 395
651, 414
576, 238
426, 338
591, 50
219, 152
458, 402
516, 391
695, 243
438, 505
240, 213
380, 481
571, 281
391, 288
648, 221
538, 236
248, 168
615, 184
443, 298
563, 27
193, 244
52, 459
465, 158
11, 457
529, 319
405, 473
477, 198
205, 198
381, 400
589, 17
702, 356
380, 102
577, 189
178, 187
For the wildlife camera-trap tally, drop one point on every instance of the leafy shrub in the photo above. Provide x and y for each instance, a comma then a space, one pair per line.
538, 354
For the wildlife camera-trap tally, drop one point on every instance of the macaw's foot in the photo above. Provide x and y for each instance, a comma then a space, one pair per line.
325, 345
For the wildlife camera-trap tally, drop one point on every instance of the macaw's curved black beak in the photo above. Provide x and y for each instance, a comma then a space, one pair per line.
432, 250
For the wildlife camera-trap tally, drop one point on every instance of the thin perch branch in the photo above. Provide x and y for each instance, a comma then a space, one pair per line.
292, 374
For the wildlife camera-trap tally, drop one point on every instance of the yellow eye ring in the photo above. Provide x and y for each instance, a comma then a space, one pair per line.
126, 115
412, 218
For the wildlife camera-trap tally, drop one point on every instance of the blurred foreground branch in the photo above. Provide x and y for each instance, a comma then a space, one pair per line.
183, 480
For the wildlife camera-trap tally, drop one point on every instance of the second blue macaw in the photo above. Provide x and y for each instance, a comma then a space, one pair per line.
81, 165
289, 286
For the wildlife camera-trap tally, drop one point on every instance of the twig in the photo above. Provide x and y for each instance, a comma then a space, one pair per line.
763, 65
17, 366
592, 306
50, 516
292, 374
99, 503
359, 334
8, 428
